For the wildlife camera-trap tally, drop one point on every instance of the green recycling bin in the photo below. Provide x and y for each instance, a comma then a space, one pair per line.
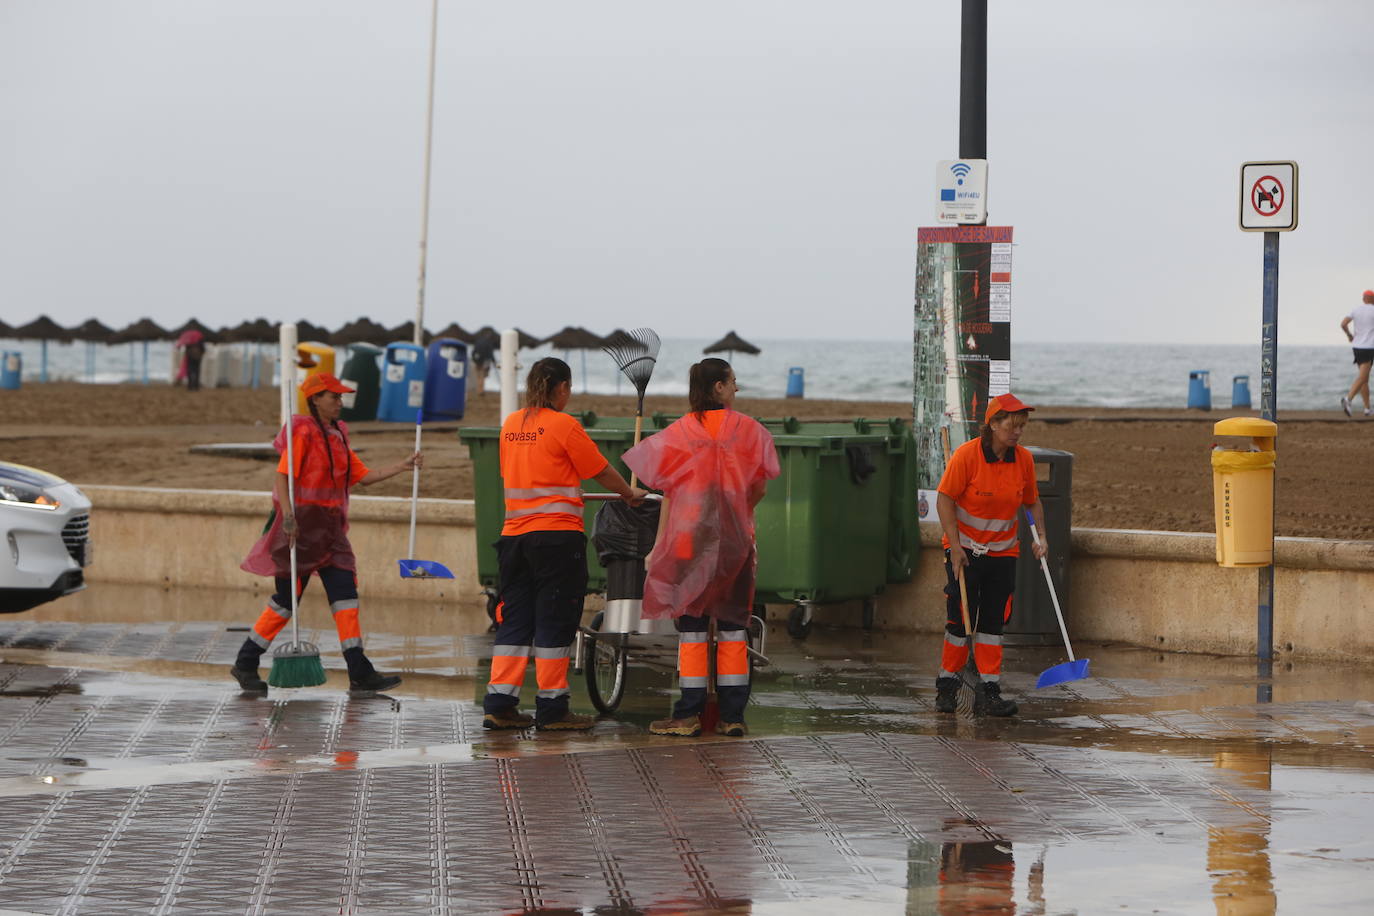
362, 372
839, 522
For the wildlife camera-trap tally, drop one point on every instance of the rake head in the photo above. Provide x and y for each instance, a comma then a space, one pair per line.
635, 355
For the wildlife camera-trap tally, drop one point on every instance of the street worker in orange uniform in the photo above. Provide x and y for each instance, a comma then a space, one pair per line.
326, 467
713, 466
545, 456
987, 482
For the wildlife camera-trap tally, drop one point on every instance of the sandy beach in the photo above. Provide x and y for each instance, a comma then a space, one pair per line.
1142, 469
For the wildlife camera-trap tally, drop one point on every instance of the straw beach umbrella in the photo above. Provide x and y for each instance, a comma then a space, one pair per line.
42, 329
575, 338
206, 335
406, 333
364, 330
144, 331
731, 344
93, 332
455, 331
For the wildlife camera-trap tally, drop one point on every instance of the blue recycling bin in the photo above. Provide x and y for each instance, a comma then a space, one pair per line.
1240, 391
1200, 390
403, 383
796, 382
446, 381
11, 366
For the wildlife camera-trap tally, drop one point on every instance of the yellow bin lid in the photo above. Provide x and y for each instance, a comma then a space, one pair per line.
1246, 426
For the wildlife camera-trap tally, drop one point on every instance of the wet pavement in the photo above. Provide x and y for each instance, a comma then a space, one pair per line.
134, 777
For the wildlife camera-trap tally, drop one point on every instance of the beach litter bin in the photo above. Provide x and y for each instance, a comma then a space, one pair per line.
796, 382
1240, 391
1200, 390
403, 383
312, 358
361, 373
446, 379
1032, 610
1243, 491
11, 369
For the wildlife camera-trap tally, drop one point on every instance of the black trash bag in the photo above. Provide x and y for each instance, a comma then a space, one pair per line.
624, 532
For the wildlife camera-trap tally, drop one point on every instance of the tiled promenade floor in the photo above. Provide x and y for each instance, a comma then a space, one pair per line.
134, 778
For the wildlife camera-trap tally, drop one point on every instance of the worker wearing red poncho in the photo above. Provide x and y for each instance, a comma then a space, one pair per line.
713, 466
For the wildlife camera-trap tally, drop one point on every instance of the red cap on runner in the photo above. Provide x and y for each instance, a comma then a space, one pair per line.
1008, 402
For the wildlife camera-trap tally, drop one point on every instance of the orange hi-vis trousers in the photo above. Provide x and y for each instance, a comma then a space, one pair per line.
693, 668
990, 582
341, 587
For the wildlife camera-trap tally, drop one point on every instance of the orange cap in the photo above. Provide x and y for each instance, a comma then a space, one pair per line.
1369, 294
323, 381
1008, 402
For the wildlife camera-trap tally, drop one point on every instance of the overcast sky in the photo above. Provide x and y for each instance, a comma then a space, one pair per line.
696, 167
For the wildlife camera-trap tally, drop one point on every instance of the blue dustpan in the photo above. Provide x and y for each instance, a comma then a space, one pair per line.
419, 569
1075, 669
424, 569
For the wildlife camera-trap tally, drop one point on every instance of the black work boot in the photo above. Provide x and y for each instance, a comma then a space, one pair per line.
248, 679
987, 701
364, 678
947, 693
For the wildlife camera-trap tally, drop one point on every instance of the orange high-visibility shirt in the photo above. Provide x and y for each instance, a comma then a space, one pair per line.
988, 492
314, 484
545, 456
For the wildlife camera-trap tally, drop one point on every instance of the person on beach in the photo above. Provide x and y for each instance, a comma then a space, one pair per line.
1362, 340
986, 483
326, 468
542, 552
713, 466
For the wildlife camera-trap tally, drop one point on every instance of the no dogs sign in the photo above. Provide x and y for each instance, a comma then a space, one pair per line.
1269, 196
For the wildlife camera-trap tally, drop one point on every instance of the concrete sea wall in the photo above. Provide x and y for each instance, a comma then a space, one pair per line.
1147, 588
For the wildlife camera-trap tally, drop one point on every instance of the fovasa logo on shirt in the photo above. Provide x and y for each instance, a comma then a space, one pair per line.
524, 436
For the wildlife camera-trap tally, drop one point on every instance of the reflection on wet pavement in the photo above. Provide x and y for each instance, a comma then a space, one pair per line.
134, 777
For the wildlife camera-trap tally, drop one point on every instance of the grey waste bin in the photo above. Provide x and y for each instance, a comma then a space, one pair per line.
1032, 616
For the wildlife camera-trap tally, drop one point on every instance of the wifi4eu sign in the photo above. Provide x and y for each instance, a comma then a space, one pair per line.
961, 187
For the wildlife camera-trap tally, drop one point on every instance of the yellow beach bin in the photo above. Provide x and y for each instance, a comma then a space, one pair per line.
312, 358
1243, 490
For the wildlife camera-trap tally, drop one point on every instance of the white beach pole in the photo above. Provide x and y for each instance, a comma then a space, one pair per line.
510, 397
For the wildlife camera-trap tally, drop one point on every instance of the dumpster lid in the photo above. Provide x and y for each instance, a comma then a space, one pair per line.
1246, 426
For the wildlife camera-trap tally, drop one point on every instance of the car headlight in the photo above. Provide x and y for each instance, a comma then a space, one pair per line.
25, 487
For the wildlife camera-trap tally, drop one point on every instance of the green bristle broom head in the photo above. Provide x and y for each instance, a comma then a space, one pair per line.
296, 664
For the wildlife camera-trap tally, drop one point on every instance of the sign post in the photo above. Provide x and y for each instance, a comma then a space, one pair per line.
1268, 204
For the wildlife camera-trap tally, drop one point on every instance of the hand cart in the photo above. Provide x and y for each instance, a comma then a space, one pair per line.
603, 650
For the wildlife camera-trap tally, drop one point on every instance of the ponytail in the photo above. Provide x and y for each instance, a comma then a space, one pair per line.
701, 384
545, 375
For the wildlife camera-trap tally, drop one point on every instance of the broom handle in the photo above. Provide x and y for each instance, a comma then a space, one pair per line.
1058, 614
639, 427
288, 385
963, 607
414, 486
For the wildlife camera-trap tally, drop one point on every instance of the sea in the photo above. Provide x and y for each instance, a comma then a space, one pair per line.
1057, 374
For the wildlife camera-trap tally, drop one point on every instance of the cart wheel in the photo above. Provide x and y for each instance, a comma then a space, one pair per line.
605, 666
799, 622
870, 611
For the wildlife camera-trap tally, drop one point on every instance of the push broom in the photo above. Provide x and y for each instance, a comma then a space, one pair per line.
297, 663
1075, 668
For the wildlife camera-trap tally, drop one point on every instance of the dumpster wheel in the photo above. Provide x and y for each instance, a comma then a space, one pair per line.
799, 621
605, 667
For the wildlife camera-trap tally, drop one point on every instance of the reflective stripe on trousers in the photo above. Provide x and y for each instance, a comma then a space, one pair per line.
732, 659
987, 655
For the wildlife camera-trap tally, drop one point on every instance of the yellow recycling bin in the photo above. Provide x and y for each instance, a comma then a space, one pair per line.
312, 358
1243, 489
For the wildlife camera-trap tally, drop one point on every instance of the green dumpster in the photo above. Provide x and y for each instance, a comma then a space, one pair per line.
838, 524
361, 372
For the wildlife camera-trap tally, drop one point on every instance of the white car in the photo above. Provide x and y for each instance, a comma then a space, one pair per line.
45, 523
